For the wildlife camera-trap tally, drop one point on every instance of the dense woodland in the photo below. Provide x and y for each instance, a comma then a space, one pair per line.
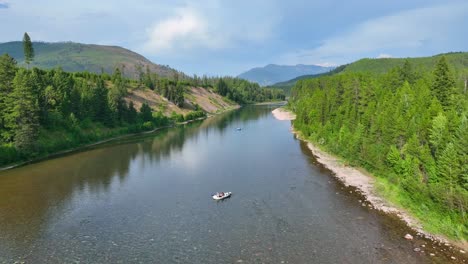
408, 127
45, 111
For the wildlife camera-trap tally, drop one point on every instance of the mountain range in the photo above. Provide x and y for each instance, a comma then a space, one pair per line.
273, 73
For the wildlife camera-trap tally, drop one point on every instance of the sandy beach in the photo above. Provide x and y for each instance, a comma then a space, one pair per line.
364, 182
283, 114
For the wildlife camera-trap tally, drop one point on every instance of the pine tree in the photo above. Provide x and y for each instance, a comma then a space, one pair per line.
406, 73
438, 134
145, 112
448, 167
100, 103
443, 85
28, 49
221, 87
461, 146
132, 113
179, 94
7, 74
24, 118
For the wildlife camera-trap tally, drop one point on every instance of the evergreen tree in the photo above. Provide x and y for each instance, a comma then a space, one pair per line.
407, 73
115, 96
179, 94
145, 112
132, 113
100, 103
24, 118
28, 49
221, 87
444, 82
439, 133
7, 74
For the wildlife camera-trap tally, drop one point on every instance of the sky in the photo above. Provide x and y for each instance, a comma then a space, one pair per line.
228, 37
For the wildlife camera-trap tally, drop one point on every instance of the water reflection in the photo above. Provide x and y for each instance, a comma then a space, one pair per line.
147, 199
32, 195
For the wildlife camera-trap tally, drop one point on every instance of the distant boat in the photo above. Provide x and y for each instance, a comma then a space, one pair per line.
239, 129
221, 195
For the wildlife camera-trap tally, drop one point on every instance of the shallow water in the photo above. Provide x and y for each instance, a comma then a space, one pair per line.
148, 199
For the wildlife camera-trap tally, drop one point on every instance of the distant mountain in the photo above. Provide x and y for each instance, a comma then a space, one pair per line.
74, 57
288, 85
273, 73
457, 60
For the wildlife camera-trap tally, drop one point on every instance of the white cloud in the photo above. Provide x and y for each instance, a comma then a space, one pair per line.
431, 28
327, 64
210, 24
384, 56
185, 29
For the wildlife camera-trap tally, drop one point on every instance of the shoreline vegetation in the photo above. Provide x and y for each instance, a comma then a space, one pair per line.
43, 112
111, 138
368, 185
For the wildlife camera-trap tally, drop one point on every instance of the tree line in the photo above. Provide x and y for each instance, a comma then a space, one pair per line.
236, 89
80, 107
408, 127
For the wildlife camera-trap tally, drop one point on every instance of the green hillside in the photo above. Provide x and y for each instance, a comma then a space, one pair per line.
458, 61
77, 57
288, 85
406, 125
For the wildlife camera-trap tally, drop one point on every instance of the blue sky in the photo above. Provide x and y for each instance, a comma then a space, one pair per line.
224, 37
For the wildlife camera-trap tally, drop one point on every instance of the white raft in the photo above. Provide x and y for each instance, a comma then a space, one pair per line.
219, 196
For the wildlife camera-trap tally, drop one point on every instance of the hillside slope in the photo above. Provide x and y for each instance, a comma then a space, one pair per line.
458, 61
207, 100
273, 73
288, 85
408, 127
77, 57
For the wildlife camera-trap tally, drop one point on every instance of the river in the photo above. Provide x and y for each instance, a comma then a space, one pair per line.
147, 199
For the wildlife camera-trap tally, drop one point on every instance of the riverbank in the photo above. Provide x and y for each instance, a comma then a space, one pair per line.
271, 102
283, 114
106, 140
366, 184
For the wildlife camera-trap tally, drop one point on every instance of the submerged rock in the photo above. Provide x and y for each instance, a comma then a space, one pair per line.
408, 237
416, 249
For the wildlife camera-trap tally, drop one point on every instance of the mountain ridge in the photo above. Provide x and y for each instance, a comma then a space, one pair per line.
457, 60
77, 57
273, 73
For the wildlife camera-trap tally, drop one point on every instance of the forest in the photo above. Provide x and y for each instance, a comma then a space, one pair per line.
408, 127
46, 111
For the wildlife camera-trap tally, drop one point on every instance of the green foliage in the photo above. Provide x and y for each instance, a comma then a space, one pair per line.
74, 108
145, 113
28, 49
444, 83
7, 74
24, 115
194, 115
403, 125
403, 69
78, 57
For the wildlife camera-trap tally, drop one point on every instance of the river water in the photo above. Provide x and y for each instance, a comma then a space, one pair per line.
147, 199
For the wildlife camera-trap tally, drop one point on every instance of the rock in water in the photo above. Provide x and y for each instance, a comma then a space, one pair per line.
408, 237
416, 249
